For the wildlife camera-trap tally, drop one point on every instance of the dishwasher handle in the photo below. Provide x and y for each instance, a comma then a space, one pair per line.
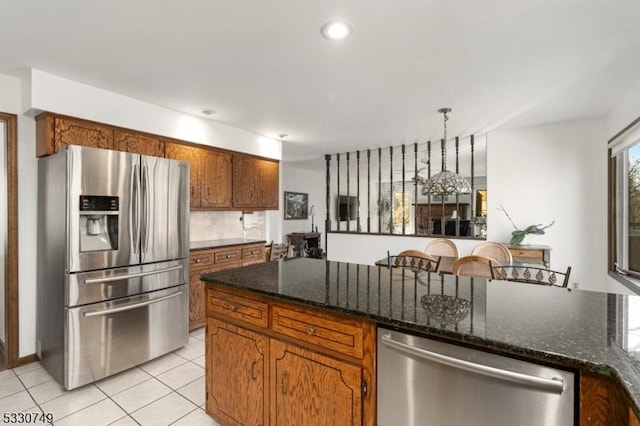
554, 385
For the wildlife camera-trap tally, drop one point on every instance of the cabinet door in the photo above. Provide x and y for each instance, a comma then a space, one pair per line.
70, 131
312, 389
267, 185
138, 143
216, 179
244, 181
193, 157
200, 262
237, 379
196, 300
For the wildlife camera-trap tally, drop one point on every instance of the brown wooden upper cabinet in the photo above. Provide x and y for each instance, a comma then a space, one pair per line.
210, 176
193, 156
216, 179
138, 143
53, 132
219, 179
255, 182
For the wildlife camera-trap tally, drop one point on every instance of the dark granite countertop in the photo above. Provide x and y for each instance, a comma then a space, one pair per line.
211, 244
573, 329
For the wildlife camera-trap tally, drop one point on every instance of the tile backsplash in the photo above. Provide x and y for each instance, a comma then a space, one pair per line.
221, 225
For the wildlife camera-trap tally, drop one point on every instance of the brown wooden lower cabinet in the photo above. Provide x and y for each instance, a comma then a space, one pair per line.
211, 260
603, 402
312, 389
237, 374
259, 376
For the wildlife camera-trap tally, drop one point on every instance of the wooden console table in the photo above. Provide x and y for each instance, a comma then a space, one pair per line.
531, 254
307, 244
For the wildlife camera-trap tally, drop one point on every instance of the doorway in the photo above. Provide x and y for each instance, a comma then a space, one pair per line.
9, 240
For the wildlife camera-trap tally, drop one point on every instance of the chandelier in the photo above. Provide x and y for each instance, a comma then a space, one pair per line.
445, 182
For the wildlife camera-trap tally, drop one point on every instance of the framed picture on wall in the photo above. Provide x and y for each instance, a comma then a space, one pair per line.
296, 205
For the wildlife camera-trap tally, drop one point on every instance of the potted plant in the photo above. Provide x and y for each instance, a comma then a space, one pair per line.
519, 236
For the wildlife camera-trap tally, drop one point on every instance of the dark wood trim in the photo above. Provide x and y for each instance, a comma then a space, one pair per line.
28, 359
12, 337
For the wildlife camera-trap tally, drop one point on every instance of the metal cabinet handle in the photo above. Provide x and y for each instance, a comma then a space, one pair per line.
253, 369
311, 330
554, 385
283, 383
233, 308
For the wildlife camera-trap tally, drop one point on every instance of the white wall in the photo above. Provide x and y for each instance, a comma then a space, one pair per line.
554, 172
366, 249
539, 174
309, 177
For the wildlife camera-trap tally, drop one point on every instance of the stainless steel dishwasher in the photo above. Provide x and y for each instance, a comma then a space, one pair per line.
427, 382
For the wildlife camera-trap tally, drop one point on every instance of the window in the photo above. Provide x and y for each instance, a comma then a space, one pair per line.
624, 202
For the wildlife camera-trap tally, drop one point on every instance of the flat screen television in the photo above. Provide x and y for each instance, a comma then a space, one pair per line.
347, 207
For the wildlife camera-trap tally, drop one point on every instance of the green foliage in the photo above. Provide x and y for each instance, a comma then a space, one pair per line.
518, 235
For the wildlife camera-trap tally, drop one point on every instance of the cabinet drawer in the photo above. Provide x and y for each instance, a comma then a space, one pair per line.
237, 308
227, 256
529, 254
251, 254
344, 336
200, 259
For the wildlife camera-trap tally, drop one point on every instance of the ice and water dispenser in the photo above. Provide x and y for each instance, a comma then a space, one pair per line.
99, 223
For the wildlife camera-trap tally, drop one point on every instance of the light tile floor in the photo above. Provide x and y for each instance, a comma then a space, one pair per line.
169, 390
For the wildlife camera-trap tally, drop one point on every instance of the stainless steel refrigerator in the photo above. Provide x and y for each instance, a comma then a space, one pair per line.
113, 270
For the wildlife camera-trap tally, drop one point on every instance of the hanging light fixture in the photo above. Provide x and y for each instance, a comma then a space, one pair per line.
445, 182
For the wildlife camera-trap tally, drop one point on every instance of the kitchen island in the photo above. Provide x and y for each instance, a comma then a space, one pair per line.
587, 332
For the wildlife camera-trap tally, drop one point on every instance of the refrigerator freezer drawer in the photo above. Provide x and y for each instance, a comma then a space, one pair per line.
99, 286
106, 338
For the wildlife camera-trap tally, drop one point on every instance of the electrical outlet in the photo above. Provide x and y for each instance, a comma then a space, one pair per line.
575, 284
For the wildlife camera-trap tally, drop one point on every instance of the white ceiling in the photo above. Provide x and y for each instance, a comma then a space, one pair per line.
263, 66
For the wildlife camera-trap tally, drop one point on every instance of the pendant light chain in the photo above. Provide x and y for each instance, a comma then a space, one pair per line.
444, 141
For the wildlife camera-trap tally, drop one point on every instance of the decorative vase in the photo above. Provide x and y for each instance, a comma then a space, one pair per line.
525, 240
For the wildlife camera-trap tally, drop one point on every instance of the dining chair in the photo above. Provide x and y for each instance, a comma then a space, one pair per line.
279, 251
474, 266
531, 275
495, 251
442, 247
416, 260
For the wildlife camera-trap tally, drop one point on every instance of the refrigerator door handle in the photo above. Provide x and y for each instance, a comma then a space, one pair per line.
553, 385
130, 307
128, 276
146, 207
134, 216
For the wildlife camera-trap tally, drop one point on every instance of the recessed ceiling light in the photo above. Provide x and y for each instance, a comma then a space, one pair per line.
336, 30
208, 112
